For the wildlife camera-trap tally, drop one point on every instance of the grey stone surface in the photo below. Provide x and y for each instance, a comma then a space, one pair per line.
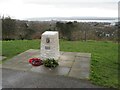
71, 64
82, 59
70, 53
61, 52
0, 79
0, 66
79, 73
2, 58
66, 63
19, 66
83, 54
80, 65
67, 57
52, 71
16, 79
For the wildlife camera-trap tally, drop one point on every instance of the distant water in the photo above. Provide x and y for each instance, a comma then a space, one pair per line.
78, 20
106, 21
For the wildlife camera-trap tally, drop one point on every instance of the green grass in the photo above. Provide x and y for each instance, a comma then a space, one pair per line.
104, 63
12, 48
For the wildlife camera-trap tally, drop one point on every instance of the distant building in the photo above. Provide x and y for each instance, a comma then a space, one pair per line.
107, 35
114, 23
108, 25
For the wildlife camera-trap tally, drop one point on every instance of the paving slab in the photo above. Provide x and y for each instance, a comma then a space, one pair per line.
15, 79
66, 63
19, 66
67, 57
79, 73
0, 66
80, 65
2, 58
52, 71
1, 79
83, 54
72, 64
61, 53
82, 59
70, 53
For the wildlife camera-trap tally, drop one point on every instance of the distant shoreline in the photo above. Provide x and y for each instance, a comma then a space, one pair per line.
78, 19
101, 21
104, 21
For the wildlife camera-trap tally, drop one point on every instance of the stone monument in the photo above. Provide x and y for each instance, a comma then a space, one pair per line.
50, 45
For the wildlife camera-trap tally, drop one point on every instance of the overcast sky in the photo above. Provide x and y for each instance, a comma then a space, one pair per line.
21, 9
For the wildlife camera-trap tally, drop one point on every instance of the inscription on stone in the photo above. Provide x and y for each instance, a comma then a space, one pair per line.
47, 47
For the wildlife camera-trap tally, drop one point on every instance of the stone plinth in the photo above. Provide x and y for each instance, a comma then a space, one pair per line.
50, 45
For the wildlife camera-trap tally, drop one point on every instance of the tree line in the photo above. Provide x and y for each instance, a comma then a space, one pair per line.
13, 29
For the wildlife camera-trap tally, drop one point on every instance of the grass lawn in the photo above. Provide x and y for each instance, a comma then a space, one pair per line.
104, 65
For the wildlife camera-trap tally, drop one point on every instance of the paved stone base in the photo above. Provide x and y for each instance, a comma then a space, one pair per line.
72, 64
2, 58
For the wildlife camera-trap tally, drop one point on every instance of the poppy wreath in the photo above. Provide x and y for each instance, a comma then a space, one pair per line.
35, 61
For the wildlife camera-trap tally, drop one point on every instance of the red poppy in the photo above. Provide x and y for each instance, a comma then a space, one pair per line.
30, 60
35, 61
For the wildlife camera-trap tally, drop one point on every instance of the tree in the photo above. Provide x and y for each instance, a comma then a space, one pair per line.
24, 31
69, 29
29, 33
8, 28
65, 29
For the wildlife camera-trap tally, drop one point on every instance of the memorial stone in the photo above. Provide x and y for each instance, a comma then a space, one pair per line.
50, 45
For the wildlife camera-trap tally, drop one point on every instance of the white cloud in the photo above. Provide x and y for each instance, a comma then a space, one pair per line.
48, 8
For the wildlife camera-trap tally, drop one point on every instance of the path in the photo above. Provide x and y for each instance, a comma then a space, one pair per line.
72, 72
21, 79
71, 64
